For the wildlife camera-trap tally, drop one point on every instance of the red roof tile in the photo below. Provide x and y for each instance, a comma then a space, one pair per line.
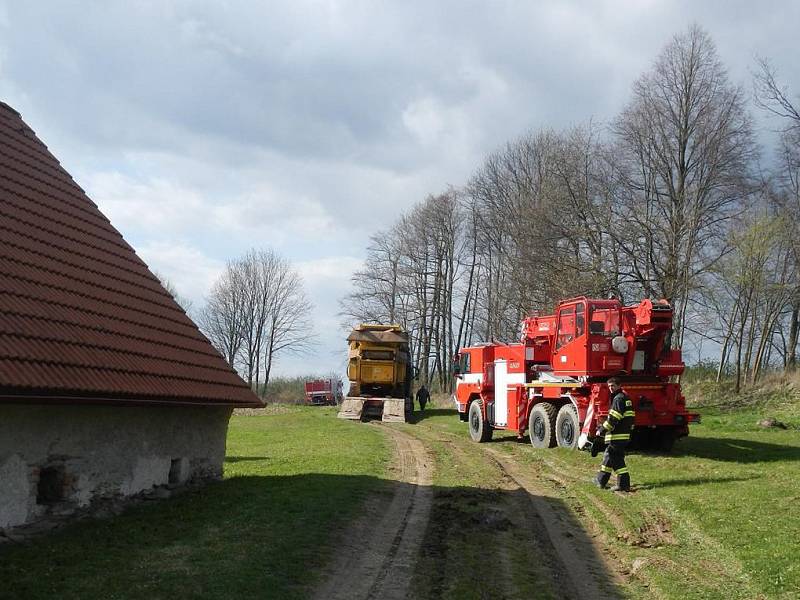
82, 318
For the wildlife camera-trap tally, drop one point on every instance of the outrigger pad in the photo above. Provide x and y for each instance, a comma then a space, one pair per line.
394, 410
352, 408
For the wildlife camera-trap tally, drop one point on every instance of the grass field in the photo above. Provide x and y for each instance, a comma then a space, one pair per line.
717, 518
291, 481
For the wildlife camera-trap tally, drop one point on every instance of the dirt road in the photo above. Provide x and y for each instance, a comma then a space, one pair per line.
520, 536
377, 555
575, 560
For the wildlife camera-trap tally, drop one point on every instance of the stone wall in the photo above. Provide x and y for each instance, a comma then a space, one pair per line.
54, 456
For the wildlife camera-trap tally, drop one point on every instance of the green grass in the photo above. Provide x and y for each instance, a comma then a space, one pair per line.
292, 480
717, 518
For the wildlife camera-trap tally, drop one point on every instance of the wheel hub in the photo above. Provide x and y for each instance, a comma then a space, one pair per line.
567, 431
538, 428
474, 422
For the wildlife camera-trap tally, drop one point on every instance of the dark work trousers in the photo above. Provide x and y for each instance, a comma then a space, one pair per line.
614, 462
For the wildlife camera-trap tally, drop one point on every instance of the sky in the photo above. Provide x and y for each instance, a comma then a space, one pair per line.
205, 129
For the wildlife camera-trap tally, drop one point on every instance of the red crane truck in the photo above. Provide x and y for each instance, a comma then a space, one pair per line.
552, 383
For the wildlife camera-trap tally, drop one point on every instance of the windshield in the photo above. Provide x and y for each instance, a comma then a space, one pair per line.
604, 321
378, 354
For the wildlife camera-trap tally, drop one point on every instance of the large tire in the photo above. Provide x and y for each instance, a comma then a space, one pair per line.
567, 427
479, 430
542, 425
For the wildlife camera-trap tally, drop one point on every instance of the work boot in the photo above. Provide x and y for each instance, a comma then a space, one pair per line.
601, 480
623, 483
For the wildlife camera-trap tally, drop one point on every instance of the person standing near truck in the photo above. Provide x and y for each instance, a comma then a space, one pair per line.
422, 397
616, 432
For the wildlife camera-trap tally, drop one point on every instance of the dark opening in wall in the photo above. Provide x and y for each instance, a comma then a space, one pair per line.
50, 488
175, 471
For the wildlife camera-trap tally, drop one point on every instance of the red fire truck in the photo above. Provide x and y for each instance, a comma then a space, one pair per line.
324, 392
552, 383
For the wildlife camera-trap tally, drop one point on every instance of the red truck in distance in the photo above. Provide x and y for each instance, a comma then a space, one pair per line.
326, 392
552, 384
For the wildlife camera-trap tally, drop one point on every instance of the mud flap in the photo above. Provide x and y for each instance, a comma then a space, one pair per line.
351, 408
394, 410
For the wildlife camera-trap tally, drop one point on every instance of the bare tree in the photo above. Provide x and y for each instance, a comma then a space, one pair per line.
770, 95
650, 210
683, 153
288, 327
774, 98
223, 316
258, 310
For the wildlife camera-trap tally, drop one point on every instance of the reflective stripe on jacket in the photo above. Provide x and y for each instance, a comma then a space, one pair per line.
619, 423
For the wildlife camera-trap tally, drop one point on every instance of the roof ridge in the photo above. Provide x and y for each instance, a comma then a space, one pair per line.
8, 107
33, 146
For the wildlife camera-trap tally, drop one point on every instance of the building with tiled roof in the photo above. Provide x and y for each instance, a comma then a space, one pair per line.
106, 386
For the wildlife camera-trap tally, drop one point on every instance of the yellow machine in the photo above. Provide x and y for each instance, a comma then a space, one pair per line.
379, 371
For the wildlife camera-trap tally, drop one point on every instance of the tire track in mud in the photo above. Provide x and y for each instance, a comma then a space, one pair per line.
577, 571
378, 552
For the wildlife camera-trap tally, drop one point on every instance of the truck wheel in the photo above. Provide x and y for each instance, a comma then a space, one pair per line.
567, 428
479, 430
541, 425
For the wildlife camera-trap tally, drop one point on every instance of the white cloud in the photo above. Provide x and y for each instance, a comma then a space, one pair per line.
261, 213
155, 205
190, 270
326, 280
205, 129
329, 269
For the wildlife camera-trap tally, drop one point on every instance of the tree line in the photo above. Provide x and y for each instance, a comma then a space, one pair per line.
668, 200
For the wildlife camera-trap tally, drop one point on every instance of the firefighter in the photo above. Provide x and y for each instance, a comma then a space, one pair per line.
422, 397
616, 431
